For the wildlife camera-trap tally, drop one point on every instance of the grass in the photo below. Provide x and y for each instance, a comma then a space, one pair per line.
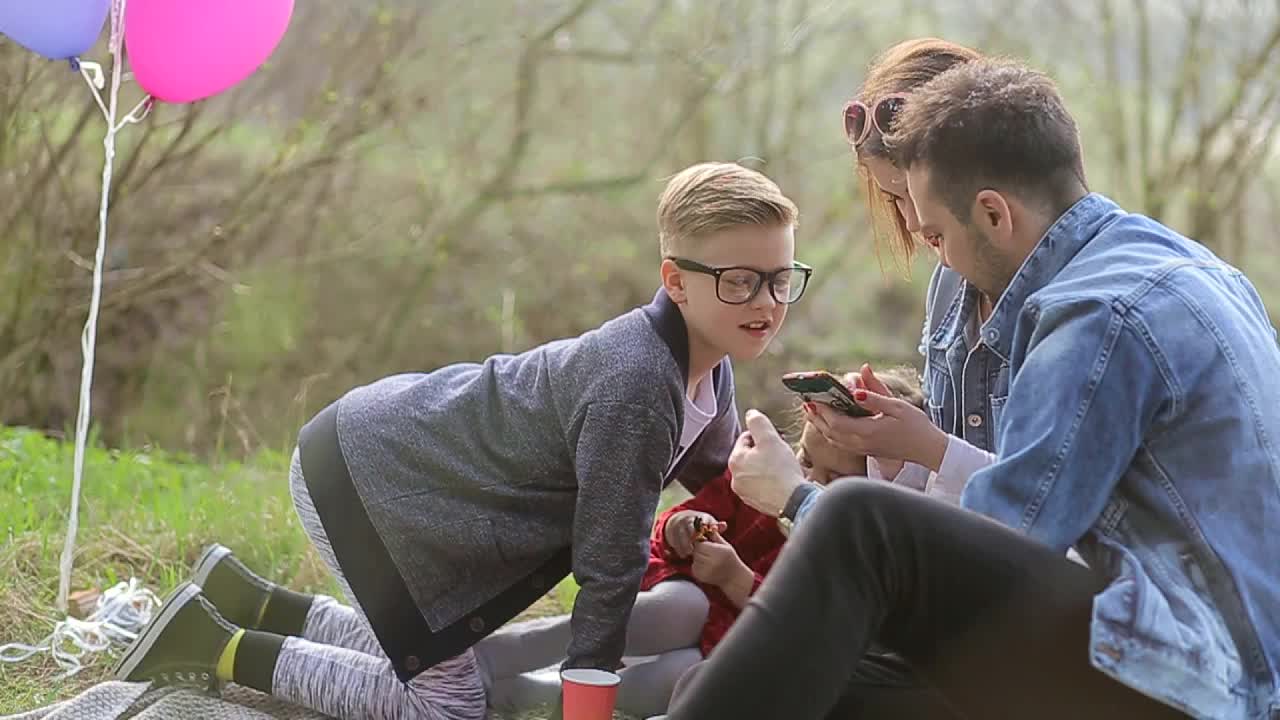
144, 514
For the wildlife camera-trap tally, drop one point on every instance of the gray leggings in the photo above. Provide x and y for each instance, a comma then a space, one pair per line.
338, 668
519, 663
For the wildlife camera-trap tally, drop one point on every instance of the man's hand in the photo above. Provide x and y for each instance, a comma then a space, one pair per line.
765, 470
715, 562
680, 530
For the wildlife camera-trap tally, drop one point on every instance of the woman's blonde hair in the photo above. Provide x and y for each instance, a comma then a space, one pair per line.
899, 70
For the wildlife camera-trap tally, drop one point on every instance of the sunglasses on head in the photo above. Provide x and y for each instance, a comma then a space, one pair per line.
859, 119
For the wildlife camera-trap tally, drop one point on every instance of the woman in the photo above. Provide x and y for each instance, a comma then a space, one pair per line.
914, 449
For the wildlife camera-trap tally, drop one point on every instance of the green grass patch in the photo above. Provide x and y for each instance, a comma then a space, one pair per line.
143, 514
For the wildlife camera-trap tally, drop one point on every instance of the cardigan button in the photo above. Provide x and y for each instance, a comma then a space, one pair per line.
476, 624
412, 663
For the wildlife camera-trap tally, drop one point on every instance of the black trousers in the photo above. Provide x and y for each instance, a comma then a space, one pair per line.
981, 622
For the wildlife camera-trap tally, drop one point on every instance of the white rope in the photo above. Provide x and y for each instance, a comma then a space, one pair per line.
88, 338
122, 612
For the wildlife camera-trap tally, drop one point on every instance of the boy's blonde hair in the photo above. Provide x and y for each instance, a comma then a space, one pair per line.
710, 197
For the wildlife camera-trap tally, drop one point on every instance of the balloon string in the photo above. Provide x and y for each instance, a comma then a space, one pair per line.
117, 26
89, 336
138, 113
122, 613
99, 81
92, 74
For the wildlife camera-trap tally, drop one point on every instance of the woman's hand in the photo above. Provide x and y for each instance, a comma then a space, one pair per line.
866, 379
898, 430
683, 525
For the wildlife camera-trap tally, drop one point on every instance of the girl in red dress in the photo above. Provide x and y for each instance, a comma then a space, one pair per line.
724, 546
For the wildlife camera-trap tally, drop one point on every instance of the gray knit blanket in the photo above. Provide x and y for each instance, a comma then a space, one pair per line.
132, 701
136, 701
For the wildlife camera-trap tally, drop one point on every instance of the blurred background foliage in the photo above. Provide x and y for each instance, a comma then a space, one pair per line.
410, 184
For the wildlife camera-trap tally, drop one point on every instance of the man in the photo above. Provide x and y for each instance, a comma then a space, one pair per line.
1139, 428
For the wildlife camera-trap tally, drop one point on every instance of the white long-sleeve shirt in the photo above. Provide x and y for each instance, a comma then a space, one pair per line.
959, 462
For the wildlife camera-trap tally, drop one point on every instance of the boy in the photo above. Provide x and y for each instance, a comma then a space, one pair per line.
448, 502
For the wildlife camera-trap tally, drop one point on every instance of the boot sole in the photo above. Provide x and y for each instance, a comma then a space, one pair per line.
178, 599
207, 562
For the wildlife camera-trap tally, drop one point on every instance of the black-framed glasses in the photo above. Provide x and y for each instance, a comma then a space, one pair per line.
739, 285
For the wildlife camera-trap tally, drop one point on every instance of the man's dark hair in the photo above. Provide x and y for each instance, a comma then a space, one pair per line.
991, 124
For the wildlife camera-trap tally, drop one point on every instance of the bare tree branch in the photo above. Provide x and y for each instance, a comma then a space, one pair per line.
1146, 80
1247, 72
1186, 88
597, 55
1113, 106
769, 93
56, 160
386, 336
578, 187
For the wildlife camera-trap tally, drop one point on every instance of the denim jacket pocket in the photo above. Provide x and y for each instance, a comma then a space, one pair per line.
937, 386
996, 403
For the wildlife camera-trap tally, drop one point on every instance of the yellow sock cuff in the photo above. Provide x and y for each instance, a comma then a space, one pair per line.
227, 661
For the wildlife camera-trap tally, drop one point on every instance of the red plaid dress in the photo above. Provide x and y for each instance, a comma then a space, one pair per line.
754, 535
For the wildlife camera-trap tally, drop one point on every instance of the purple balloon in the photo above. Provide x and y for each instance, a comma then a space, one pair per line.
56, 29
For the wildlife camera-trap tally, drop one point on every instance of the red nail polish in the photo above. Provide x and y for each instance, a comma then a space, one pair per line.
859, 395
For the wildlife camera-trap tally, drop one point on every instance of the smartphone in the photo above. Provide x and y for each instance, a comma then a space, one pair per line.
823, 387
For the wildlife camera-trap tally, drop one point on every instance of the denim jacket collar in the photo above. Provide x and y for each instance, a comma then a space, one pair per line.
952, 324
1060, 243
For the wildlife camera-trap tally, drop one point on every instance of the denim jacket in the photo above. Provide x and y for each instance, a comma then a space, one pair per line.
1129, 381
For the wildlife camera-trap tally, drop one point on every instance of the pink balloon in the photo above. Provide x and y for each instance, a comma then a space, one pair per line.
186, 50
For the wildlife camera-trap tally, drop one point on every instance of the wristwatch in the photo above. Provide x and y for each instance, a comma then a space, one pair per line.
787, 517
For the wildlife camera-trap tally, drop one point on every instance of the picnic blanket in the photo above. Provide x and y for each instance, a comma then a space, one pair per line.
115, 700
138, 701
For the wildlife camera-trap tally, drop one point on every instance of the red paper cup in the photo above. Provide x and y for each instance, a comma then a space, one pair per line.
589, 694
